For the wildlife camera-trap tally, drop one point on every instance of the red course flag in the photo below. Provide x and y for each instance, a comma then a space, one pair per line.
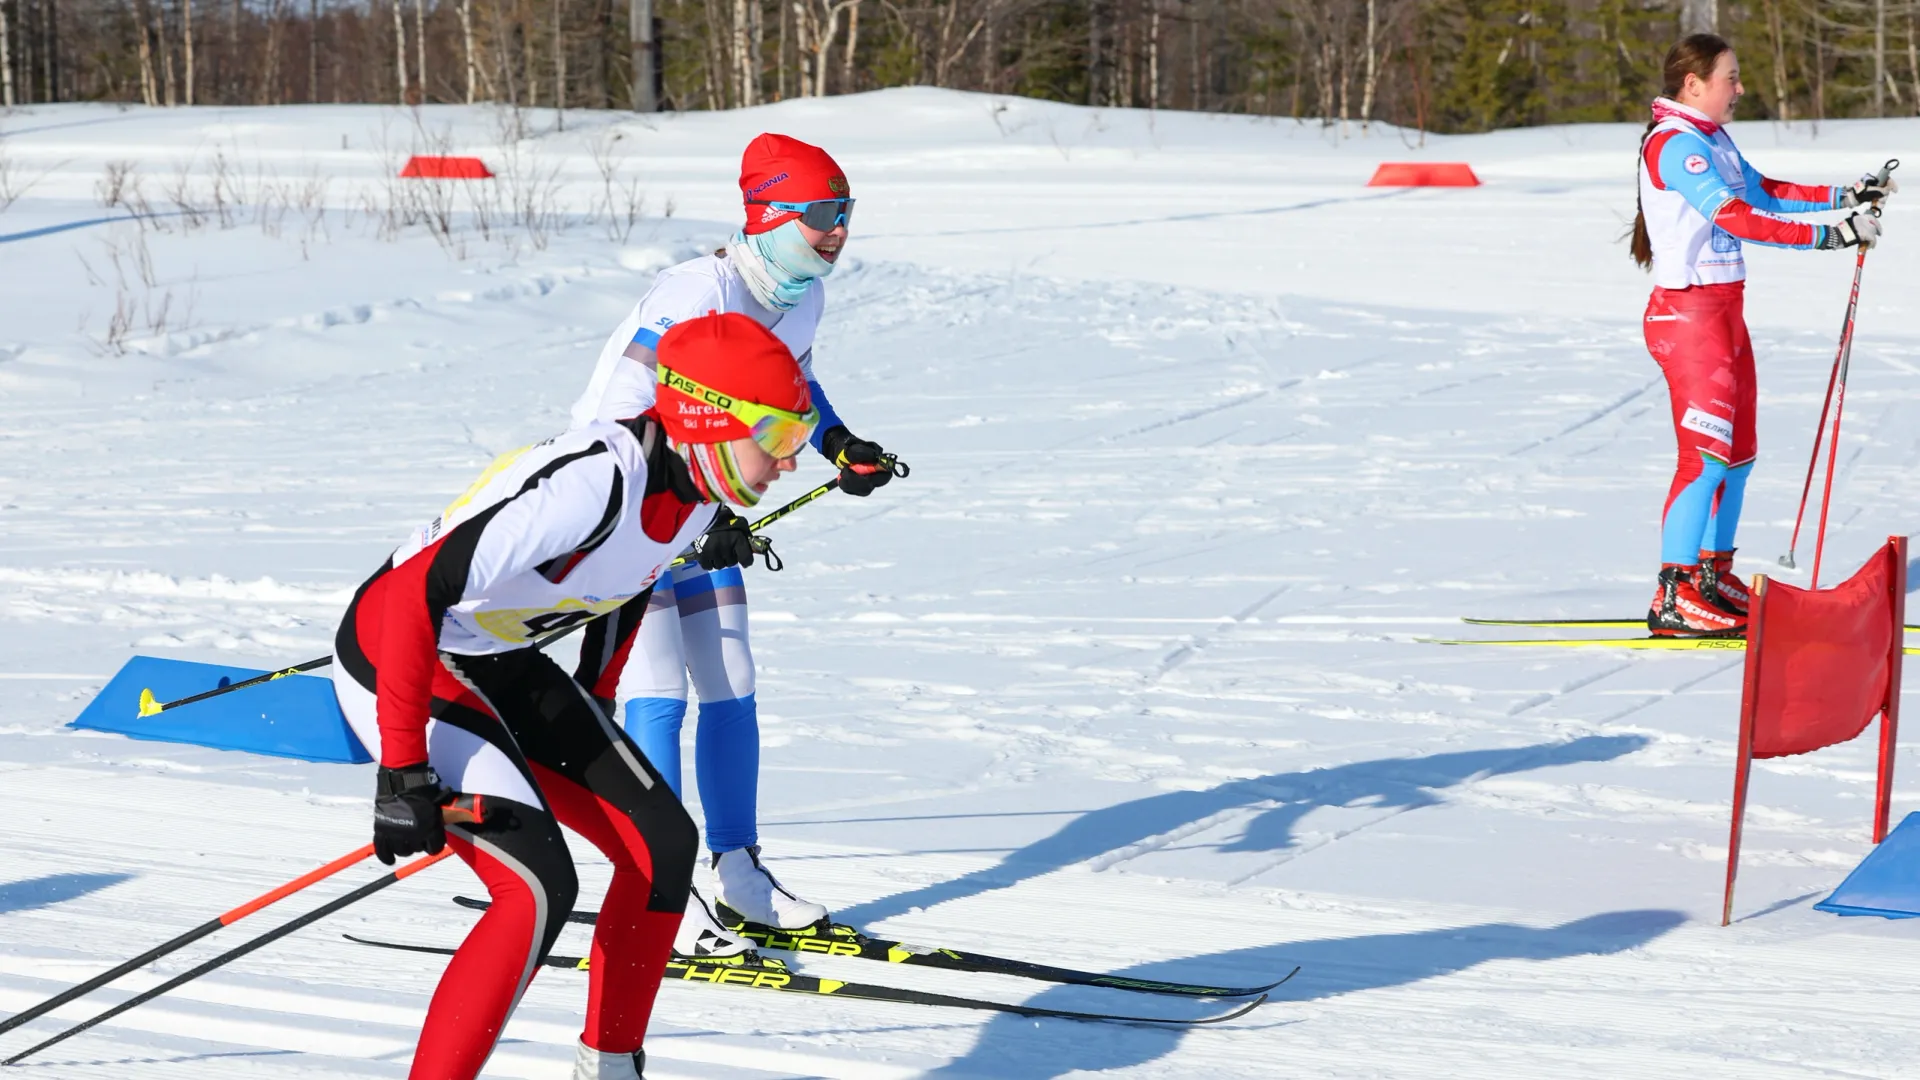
1821, 664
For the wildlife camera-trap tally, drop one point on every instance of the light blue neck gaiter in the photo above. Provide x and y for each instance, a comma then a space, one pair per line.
781, 266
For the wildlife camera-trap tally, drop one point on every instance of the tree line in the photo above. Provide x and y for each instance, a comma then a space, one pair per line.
1440, 65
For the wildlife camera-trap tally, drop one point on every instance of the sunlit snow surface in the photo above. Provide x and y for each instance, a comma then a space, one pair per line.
1205, 435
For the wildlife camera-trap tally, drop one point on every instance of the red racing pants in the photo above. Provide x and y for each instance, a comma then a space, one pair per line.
523, 732
1698, 336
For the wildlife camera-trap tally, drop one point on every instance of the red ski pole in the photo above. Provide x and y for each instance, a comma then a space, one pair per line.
1833, 451
1837, 377
1820, 430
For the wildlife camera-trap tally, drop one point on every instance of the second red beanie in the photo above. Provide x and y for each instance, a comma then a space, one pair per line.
779, 168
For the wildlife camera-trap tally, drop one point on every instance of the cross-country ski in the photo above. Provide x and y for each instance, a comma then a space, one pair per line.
1692, 644
1001, 540
1589, 624
777, 978
840, 940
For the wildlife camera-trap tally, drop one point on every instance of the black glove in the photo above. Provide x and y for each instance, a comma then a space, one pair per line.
727, 542
406, 812
1858, 230
862, 464
1871, 188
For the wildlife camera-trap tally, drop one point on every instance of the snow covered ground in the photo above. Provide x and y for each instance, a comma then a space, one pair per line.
1205, 435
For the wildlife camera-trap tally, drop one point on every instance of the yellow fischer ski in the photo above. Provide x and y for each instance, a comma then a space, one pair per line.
1582, 624
1694, 643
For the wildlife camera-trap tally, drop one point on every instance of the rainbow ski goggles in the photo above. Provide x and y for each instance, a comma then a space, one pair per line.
779, 432
820, 215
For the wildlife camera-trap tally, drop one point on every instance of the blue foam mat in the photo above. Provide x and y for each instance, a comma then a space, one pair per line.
1887, 881
295, 717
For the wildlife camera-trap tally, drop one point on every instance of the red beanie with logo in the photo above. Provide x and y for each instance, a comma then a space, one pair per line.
777, 168
734, 357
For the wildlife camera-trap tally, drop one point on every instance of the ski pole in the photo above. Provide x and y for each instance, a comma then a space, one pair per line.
887, 461
1834, 377
1840, 401
149, 706
188, 938
1833, 450
764, 545
239, 951
762, 548
890, 463
1820, 430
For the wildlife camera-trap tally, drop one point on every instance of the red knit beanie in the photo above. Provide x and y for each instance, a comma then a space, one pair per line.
731, 354
777, 168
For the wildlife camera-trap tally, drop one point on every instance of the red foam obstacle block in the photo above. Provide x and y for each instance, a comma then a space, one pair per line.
434, 167
1420, 174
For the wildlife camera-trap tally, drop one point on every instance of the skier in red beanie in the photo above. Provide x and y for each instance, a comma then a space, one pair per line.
440, 675
797, 204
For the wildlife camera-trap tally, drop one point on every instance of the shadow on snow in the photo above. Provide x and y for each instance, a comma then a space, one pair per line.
53, 889
1388, 784
1017, 1048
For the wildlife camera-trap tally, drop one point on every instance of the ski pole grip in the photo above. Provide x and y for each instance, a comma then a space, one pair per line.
887, 463
465, 810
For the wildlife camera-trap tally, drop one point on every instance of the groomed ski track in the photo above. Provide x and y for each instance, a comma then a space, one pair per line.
1204, 433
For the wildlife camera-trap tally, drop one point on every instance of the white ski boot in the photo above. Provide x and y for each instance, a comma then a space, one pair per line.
701, 937
749, 892
591, 1064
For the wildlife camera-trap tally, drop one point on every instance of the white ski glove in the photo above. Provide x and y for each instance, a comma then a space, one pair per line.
1859, 230
1870, 189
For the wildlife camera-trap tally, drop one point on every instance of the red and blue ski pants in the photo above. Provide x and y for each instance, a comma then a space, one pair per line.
1698, 336
518, 729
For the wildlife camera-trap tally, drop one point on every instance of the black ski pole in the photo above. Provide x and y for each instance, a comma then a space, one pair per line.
149, 706
239, 951
352, 858
771, 518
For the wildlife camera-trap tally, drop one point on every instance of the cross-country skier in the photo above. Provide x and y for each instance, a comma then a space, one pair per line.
798, 206
439, 676
1699, 198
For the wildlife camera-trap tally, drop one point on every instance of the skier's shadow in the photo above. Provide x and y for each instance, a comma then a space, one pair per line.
1017, 1048
53, 889
1111, 834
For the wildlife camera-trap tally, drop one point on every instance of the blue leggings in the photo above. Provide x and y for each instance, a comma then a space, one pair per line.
1704, 514
695, 630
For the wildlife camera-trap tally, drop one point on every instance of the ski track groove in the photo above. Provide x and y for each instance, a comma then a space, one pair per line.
1597, 415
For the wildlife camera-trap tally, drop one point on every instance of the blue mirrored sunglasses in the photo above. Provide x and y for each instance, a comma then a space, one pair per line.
821, 215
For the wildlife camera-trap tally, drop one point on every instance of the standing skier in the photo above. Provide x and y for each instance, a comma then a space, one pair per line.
440, 677
798, 206
1699, 198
